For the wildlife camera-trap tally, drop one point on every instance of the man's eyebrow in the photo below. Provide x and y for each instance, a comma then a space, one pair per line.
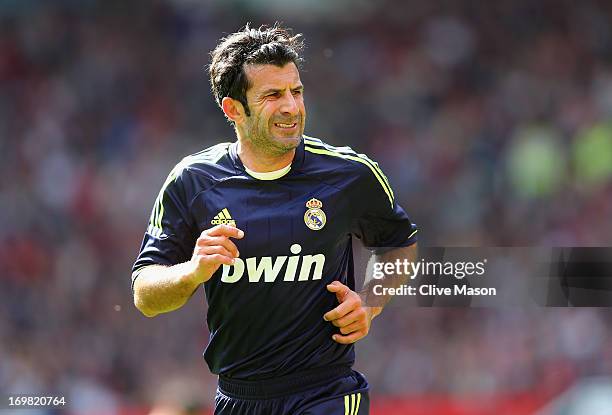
270, 90
274, 90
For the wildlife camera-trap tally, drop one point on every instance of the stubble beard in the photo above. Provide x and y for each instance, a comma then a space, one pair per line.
264, 142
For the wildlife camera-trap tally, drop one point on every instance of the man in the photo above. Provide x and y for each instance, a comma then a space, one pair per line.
265, 224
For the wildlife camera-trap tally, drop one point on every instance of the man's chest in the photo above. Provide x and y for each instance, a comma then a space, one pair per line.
276, 216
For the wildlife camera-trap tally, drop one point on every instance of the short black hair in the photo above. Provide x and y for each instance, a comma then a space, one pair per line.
273, 45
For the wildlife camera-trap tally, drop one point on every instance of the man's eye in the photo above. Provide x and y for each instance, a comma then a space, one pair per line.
273, 95
297, 92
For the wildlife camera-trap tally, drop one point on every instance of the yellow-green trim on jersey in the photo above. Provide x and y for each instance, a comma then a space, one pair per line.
351, 405
210, 155
316, 146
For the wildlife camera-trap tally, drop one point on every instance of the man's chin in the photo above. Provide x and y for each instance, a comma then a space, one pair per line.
288, 143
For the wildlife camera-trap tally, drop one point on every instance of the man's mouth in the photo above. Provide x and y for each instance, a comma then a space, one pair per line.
284, 125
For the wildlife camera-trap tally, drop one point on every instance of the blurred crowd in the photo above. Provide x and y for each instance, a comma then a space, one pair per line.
493, 122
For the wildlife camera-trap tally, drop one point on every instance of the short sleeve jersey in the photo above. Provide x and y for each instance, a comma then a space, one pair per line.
265, 312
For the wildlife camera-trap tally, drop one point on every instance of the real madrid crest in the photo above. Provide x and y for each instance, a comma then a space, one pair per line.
314, 217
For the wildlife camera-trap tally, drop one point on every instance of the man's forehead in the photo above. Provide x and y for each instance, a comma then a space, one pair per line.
268, 76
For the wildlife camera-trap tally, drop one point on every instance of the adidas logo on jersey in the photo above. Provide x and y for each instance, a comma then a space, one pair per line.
271, 269
223, 218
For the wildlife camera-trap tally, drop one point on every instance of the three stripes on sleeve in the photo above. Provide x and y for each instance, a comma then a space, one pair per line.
351, 404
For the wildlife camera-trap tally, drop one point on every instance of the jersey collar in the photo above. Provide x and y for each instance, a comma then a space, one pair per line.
296, 164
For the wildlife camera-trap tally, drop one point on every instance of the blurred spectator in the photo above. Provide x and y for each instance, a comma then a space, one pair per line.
593, 157
536, 163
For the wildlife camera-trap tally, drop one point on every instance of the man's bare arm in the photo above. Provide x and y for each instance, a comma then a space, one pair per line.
377, 302
160, 289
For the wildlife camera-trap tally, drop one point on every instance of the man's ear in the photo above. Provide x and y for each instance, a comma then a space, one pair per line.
233, 109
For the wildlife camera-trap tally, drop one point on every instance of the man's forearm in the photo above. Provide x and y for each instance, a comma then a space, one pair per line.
160, 289
377, 302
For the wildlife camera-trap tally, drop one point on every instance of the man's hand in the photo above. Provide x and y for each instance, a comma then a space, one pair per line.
213, 249
351, 316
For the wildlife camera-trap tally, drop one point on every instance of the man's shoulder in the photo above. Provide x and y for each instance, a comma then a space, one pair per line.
203, 168
209, 160
210, 156
343, 156
346, 160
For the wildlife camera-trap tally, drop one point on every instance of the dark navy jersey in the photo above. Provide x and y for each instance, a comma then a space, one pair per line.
265, 312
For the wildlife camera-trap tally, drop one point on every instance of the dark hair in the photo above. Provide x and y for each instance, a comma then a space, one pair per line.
267, 45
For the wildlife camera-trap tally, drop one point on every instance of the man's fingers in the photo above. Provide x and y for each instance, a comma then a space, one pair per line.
349, 316
214, 248
348, 339
219, 241
215, 259
340, 289
342, 310
356, 326
357, 314
217, 249
348, 301
225, 230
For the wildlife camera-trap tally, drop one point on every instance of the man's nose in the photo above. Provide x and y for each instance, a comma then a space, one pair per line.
289, 105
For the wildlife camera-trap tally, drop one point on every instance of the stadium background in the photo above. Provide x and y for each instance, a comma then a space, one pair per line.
492, 121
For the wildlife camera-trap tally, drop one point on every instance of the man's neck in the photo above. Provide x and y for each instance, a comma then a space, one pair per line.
260, 162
